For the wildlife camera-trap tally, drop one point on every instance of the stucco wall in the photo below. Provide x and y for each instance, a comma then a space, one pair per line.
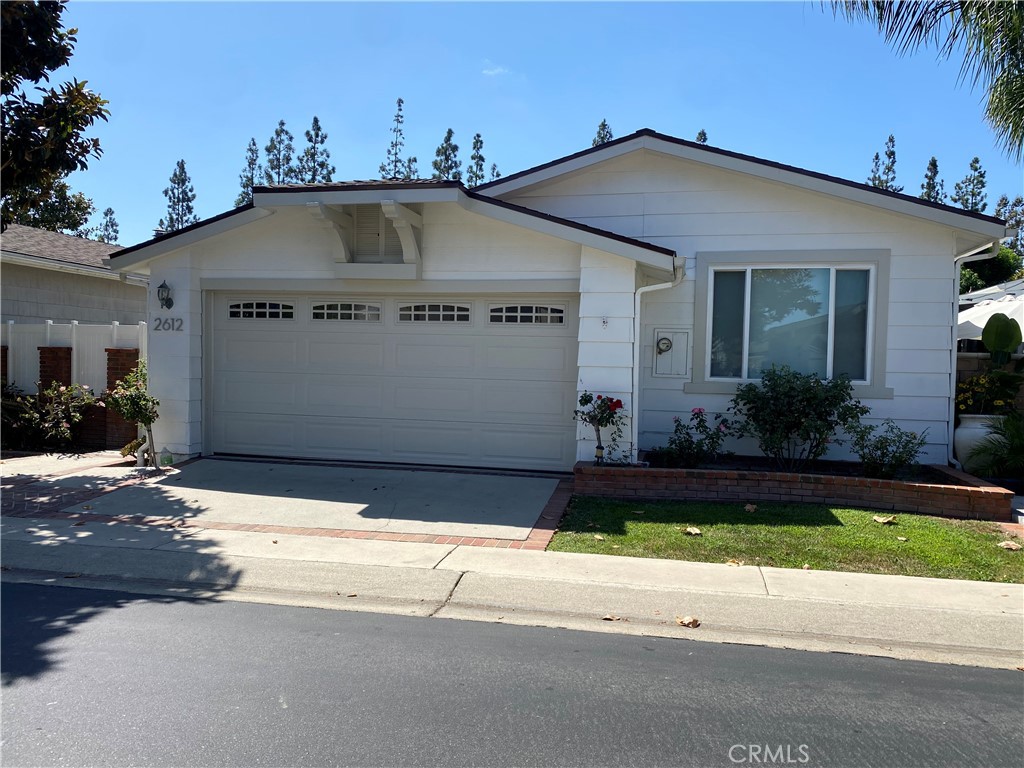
30, 295
693, 208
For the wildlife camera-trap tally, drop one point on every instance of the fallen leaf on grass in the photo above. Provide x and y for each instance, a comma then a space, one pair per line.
750, 508
688, 621
599, 537
901, 538
1013, 546
691, 531
615, 546
807, 567
611, 617
890, 520
734, 562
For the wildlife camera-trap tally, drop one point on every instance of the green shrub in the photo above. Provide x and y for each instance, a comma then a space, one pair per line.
886, 454
46, 421
695, 443
1001, 453
794, 417
132, 401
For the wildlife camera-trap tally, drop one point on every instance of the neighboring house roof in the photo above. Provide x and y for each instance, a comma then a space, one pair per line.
55, 246
43, 249
416, 190
650, 139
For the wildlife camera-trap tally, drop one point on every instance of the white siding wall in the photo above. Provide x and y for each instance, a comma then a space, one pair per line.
693, 208
31, 295
606, 337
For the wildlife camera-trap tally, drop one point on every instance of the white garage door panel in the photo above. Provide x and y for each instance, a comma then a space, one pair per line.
474, 394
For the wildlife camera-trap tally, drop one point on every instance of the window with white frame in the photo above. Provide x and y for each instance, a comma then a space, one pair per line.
433, 313
815, 319
353, 311
261, 310
529, 314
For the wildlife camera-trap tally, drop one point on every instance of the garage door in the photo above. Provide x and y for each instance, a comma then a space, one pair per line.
487, 382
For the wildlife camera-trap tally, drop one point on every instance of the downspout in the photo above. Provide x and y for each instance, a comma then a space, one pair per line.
678, 274
975, 254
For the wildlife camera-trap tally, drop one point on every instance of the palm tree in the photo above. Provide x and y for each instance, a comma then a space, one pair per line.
990, 34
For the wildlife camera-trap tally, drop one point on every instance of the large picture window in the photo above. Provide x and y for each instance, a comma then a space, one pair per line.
815, 319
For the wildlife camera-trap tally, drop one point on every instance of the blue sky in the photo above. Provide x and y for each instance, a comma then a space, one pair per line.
781, 81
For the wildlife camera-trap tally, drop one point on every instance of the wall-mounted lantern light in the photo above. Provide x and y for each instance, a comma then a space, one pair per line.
163, 292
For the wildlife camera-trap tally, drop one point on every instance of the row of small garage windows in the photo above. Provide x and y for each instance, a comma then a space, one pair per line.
372, 312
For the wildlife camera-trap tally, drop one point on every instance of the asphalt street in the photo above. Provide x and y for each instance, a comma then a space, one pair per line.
107, 678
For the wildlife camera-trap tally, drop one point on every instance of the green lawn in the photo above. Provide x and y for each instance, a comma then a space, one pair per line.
790, 536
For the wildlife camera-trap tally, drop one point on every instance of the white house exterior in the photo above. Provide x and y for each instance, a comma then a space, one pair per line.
422, 322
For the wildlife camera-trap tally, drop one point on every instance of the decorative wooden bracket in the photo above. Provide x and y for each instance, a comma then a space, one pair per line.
406, 223
341, 223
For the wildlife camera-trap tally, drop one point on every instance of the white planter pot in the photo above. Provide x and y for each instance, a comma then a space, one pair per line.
973, 428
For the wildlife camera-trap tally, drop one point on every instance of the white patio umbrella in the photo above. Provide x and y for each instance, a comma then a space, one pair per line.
1012, 288
971, 322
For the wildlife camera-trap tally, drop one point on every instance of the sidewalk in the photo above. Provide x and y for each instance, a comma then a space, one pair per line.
960, 622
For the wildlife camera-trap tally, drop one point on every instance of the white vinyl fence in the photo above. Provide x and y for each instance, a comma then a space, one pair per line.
88, 350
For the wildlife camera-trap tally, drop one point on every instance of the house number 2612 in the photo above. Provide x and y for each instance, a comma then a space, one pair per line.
169, 324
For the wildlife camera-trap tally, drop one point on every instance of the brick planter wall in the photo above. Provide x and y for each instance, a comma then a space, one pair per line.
119, 364
54, 365
970, 498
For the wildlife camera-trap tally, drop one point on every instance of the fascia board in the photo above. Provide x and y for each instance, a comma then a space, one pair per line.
356, 197
162, 247
660, 261
54, 265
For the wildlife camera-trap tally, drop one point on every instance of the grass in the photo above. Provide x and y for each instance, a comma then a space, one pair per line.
790, 536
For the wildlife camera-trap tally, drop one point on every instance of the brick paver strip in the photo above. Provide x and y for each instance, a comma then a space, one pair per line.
19, 500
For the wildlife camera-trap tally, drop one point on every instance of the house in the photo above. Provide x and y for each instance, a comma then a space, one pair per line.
424, 322
48, 275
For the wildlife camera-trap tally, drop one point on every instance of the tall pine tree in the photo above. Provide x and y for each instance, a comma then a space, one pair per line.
315, 161
604, 134
446, 164
702, 137
475, 171
969, 194
395, 166
495, 173
280, 154
1012, 212
882, 175
933, 188
180, 196
251, 175
108, 230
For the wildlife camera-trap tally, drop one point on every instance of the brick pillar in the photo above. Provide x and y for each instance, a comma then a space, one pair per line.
54, 365
120, 362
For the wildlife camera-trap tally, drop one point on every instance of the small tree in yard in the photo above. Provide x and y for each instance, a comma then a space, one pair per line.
794, 416
130, 399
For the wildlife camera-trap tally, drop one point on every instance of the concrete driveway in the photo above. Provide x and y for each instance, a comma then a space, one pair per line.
406, 501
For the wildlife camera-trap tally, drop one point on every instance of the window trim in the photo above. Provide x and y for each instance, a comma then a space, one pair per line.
286, 305
561, 315
876, 260
459, 306
377, 306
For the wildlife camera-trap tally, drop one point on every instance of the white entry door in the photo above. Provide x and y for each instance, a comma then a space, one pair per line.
487, 382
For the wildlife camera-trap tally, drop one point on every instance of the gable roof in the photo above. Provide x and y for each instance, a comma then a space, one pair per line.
646, 138
55, 246
402, 191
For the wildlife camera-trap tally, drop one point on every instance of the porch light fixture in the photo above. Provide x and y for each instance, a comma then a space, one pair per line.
163, 292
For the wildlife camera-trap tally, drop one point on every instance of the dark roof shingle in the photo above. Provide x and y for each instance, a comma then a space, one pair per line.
45, 244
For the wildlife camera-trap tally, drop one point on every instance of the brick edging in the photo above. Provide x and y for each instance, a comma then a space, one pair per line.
964, 497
